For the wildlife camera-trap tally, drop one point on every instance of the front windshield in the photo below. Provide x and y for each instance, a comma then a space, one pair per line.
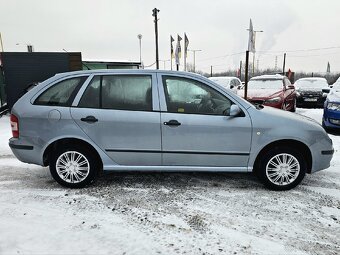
311, 83
265, 84
224, 82
336, 85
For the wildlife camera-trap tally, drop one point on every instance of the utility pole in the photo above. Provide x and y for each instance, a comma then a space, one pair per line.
241, 70
210, 71
246, 76
275, 63
284, 64
194, 51
154, 14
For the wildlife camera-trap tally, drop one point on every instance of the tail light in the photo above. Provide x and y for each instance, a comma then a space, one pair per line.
15, 126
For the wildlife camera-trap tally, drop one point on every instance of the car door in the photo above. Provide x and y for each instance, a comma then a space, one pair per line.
120, 113
196, 130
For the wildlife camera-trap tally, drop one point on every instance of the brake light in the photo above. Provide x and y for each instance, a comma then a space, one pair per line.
15, 126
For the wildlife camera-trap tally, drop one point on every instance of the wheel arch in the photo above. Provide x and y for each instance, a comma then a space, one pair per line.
69, 141
303, 148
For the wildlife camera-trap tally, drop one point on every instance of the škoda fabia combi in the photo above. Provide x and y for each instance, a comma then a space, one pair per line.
81, 123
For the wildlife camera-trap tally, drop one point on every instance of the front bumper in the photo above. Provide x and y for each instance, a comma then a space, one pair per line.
310, 101
330, 118
322, 153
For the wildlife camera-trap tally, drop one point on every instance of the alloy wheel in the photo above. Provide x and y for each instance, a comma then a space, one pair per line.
72, 167
282, 169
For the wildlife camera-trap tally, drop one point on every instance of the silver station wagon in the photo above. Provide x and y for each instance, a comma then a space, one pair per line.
81, 123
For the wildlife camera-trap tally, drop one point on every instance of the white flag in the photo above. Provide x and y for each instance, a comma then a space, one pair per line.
178, 51
251, 42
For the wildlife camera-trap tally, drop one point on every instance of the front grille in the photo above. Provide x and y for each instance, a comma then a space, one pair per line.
311, 94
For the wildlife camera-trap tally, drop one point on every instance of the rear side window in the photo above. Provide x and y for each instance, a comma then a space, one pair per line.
119, 92
62, 93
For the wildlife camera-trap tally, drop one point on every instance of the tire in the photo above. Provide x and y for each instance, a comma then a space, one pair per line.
294, 107
73, 166
286, 175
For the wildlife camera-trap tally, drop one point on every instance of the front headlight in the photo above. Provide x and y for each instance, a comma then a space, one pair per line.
333, 106
274, 100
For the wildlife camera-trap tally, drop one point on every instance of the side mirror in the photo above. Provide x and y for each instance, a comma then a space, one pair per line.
232, 86
331, 86
234, 110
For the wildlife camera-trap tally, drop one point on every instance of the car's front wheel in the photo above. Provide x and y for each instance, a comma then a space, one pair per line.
281, 168
73, 167
294, 106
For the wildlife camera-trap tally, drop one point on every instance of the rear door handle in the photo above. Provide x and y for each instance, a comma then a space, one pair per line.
172, 123
89, 119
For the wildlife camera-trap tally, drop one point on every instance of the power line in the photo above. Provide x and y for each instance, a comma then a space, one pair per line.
223, 56
301, 50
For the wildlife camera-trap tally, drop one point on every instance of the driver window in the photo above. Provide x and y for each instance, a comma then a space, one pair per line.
190, 96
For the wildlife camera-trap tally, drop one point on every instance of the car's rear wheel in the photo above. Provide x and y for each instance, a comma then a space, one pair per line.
73, 167
282, 168
294, 106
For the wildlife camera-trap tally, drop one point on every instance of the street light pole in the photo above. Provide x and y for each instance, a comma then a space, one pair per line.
140, 48
164, 61
194, 51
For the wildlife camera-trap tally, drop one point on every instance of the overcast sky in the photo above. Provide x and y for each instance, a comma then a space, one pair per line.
108, 29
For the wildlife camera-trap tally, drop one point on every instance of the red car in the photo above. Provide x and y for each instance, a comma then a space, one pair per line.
272, 90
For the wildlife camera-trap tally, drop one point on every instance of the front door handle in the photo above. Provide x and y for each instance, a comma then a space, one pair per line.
89, 119
172, 123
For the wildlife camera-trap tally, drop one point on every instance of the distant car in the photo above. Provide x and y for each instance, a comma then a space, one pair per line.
81, 123
229, 82
271, 90
311, 91
331, 112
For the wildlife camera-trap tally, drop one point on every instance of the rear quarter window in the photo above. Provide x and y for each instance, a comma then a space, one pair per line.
61, 93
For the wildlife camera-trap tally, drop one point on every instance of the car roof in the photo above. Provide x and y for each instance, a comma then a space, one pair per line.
312, 79
223, 78
269, 77
127, 71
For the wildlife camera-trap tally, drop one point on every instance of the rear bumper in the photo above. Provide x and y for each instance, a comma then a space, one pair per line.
25, 151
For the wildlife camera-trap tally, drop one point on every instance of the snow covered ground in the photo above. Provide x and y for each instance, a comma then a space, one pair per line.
166, 213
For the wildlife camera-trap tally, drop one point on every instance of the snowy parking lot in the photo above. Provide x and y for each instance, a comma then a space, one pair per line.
166, 213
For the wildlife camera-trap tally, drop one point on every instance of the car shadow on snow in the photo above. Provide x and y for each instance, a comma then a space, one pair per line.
175, 180
335, 132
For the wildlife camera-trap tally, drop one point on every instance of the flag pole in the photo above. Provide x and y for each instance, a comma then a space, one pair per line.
2, 46
171, 52
185, 54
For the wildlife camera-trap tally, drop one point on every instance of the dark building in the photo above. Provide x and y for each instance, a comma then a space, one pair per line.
21, 69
